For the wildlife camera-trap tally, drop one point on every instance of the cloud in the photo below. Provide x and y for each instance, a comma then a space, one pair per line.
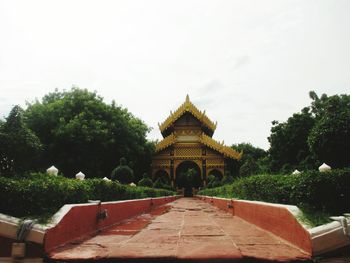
207, 95
241, 61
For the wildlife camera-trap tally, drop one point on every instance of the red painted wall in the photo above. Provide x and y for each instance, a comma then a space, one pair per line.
81, 220
275, 219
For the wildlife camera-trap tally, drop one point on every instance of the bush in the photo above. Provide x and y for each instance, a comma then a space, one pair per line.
38, 194
145, 182
227, 179
123, 173
214, 181
160, 184
327, 192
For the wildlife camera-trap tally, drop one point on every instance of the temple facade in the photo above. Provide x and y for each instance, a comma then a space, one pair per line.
188, 144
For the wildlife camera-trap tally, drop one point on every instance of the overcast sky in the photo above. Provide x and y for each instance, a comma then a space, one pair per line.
245, 62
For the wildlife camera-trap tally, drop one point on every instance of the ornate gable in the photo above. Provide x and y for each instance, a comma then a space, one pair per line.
188, 107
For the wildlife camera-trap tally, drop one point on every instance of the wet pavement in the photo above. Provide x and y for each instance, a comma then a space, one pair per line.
186, 230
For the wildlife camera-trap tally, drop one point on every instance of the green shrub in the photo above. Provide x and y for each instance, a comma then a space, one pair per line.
38, 194
227, 179
145, 182
327, 192
123, 173
160, 184
214, 181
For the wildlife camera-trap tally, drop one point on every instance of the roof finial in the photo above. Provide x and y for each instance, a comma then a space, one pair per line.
187, 98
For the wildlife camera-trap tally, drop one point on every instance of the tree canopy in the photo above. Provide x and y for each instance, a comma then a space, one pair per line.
80, 131
329, 139
20, 148
252, 159
288, 142
319, 133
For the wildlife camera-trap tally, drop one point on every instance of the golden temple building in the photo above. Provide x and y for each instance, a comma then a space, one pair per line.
188, 144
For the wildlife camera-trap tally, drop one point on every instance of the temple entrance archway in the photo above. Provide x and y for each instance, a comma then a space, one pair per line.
188, 176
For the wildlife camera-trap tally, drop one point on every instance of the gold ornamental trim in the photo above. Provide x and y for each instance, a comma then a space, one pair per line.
166, 142
220, 147
188, 106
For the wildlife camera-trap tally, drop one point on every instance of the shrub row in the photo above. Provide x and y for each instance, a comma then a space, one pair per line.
40, 194
328, 192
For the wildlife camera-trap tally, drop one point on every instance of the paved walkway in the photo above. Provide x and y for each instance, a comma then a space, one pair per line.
184, 230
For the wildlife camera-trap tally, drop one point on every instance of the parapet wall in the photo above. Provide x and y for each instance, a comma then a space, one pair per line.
275, 218
71, 222
80, 220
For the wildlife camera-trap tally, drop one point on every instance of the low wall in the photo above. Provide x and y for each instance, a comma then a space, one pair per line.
80, 220
8, 235
275, 218
330, 237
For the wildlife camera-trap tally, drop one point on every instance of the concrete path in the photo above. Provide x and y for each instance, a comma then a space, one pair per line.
185, 230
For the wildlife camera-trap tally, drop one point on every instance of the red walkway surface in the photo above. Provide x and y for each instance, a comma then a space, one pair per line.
184, 230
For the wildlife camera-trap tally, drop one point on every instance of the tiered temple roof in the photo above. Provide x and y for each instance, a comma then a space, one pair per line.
220, 147
207, 141
166, 142
187, 106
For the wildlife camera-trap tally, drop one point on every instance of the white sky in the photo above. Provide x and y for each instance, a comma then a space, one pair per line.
245, 62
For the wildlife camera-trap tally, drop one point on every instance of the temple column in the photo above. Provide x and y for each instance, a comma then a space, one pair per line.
172, 173
204, 173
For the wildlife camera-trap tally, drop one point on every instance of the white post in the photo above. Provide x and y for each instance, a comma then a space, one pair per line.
52, 170
80, 176
324, 168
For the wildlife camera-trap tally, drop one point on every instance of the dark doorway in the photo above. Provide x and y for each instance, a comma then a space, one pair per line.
188, 176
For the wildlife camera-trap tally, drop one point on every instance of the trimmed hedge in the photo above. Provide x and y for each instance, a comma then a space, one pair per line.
39, 194
327, 192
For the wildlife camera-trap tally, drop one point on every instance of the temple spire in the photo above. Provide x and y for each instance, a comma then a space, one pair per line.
187, 98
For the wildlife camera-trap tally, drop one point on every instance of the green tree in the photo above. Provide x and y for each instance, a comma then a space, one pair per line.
329, 139
80, 131
20, 148
249, 167
252, 159
288, 142
123, 173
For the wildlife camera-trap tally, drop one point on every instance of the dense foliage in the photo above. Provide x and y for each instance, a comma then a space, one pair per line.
329, 191
253, 159
319, 133
288, 140
214, 180
80, 132
20, 148
329, 139
38, 194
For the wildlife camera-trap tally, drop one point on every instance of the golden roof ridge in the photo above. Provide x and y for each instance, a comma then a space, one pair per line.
220, 147
166, 142
187, 106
